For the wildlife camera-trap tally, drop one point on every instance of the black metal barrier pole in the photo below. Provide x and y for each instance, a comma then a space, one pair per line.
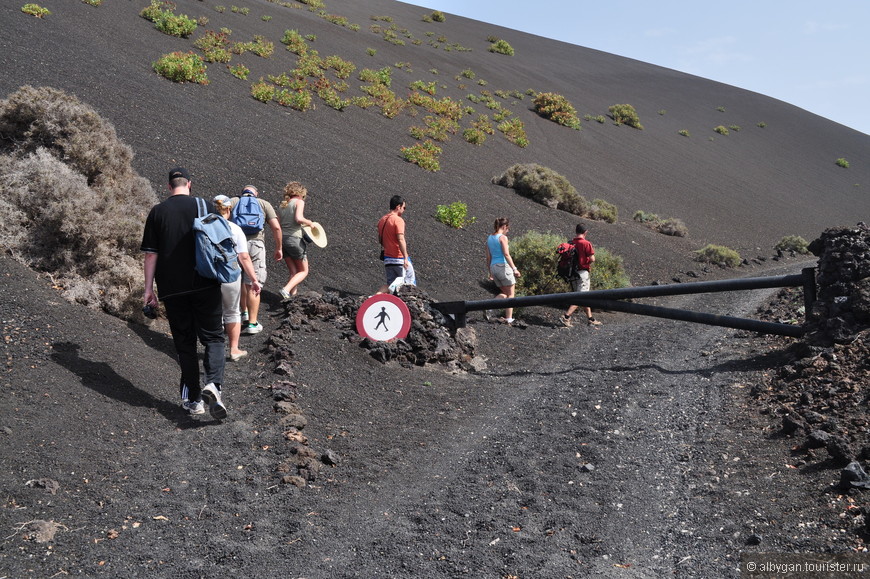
698, 317
806, 279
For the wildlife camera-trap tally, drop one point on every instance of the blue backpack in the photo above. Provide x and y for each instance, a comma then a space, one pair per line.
216, 256
248, 214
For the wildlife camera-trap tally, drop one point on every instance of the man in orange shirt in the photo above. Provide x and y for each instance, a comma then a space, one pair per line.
391, 235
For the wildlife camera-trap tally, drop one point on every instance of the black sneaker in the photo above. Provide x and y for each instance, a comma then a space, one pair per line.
212, 396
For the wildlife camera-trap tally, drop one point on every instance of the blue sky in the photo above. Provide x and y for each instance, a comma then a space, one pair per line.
812, 54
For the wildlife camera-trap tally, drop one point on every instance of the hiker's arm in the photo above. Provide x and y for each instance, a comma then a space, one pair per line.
401, 239
275, 226
248, 268
299, 215
150, 267
507, 254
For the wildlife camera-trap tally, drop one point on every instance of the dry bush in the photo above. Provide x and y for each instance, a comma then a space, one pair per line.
71, 203
672, 226
545, 186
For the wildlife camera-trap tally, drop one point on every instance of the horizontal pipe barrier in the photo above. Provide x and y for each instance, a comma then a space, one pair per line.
609, 300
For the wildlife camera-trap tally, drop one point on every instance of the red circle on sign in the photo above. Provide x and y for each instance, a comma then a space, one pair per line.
375, 308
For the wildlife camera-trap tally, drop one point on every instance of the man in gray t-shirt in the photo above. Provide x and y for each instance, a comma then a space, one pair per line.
250, 303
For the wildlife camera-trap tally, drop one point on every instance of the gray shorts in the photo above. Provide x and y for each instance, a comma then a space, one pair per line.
502, 274
257, 251
582, 284
294, 247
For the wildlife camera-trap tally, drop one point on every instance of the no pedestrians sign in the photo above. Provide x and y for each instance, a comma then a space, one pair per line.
383, 317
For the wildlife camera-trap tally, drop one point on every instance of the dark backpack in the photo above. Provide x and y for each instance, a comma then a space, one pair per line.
216, 256
248, 214
568, 266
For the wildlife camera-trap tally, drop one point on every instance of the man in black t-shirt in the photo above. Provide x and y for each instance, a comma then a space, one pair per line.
192, 303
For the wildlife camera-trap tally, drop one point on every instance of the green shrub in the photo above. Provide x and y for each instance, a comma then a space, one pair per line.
534, 254
437, 128
556, 108
299, 100
295, 42
502, 47
545, 186
718, 255
261, 47
161, 13
735, 128
371, 51
625, 115
515, 131
182, 67
841, 162
794, 243
427, 87
240, 71
644, 217
214, 46
721, 130
474, 136
455, 215
424, 155
265, 18
721, 109
62, 169
601, 210
438, 16
342, 68
683, 132
36, 10
382, 76
263, 91
761, 125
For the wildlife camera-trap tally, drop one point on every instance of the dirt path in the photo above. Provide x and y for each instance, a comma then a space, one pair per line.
595, 461
622, 454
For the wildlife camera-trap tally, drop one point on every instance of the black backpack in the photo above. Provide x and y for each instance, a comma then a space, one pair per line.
568, 266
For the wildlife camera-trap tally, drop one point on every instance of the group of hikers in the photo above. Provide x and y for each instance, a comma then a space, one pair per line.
216, 313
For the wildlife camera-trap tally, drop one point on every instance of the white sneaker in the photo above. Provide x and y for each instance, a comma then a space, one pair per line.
254, 328
193, 407
212, 395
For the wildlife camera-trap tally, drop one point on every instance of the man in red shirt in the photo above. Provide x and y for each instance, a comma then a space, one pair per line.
585, 257
391, 235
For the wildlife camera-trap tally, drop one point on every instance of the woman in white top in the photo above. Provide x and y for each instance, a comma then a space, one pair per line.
499, 264
291, 214
231, 292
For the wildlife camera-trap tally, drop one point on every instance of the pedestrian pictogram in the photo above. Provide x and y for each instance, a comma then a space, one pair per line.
383, 317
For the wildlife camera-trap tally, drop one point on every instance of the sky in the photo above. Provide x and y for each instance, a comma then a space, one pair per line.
812, 54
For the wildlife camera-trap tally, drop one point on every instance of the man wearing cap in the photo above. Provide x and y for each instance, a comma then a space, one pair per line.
250, 303
192, 303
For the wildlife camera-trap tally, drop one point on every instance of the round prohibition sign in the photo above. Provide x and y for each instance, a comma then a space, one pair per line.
383, 317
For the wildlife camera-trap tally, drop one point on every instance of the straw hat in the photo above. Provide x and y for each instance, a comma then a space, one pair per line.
314, 234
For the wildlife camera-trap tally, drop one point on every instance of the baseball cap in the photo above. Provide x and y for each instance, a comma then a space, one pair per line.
222, 201
179, 172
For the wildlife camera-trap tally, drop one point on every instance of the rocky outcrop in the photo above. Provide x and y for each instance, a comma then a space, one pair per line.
842, 306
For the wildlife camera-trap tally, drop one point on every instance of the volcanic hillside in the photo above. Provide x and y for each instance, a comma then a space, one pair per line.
636, 449
745, 190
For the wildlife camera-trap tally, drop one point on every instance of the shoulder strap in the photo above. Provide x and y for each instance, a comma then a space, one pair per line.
381, 232
200, 207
